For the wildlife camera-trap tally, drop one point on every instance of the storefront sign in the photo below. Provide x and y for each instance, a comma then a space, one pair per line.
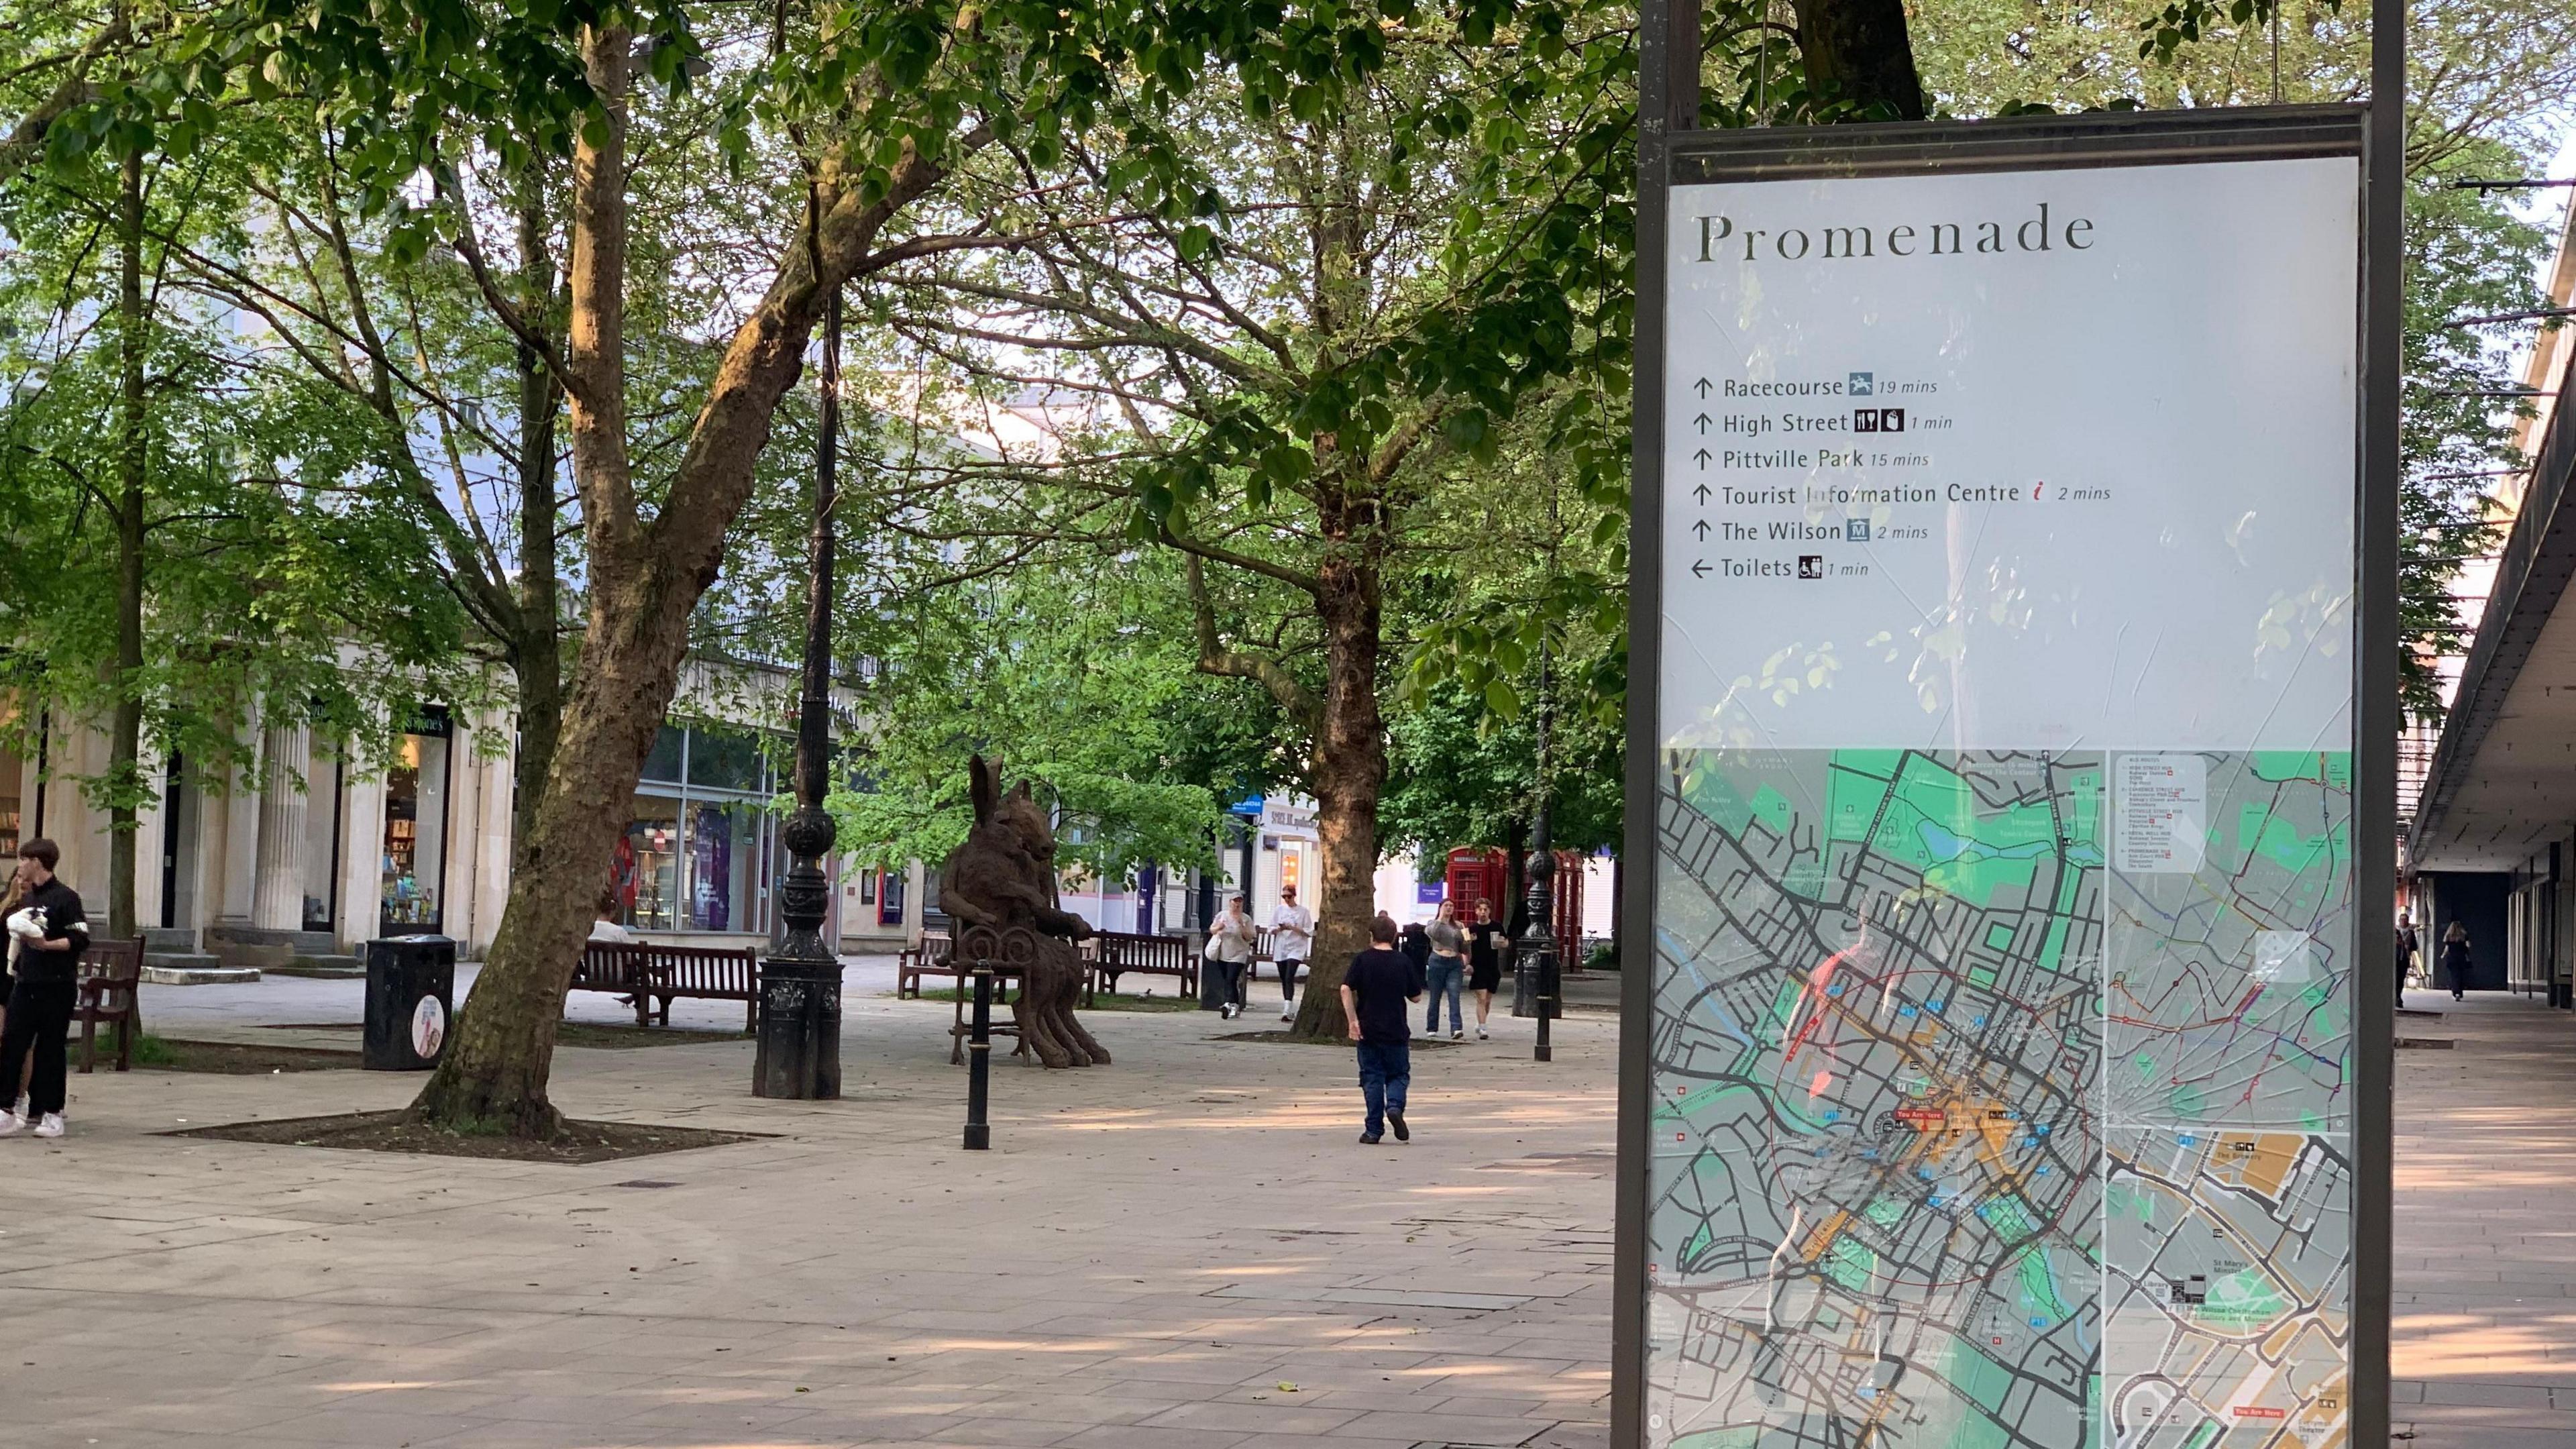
2001, 1072
1290, 814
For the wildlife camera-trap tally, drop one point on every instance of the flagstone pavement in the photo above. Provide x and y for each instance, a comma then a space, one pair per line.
1185, 1249
2484, 1270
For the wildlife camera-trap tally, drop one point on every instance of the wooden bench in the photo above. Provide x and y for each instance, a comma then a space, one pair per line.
648, 972
111, 976
928, 958
1115, 953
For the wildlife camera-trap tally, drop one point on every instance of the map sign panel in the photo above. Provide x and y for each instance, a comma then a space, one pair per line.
2003, 959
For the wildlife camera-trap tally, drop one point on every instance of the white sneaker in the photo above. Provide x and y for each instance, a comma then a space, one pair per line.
21, 1108
1480, 1034
1457, 1036
52, 1126
1287, 1016
11, 1124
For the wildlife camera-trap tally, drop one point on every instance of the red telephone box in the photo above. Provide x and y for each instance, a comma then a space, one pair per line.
1476, 875
1566, 910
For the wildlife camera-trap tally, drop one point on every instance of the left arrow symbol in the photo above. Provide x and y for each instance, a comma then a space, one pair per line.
1699, 568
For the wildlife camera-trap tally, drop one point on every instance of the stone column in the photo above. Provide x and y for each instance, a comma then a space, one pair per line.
286, 762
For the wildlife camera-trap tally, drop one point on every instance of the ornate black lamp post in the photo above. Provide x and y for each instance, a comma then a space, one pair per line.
1535, 967
800, 983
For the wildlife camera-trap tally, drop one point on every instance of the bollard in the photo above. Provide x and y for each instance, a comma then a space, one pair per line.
1547, 989
979, 1061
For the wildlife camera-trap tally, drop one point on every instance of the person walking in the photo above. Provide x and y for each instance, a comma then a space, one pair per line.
1374, 992
10, 899
51, 932
1292, 936
2408, 948
2455, 959
1485, 964
1447, 970
1229, 955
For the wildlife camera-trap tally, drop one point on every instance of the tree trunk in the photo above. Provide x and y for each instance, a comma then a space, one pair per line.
1860, 49
1350, 773
125, 729
537, 653
645, 579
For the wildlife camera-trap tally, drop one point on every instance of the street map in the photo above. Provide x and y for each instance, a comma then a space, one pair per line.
2002, 1099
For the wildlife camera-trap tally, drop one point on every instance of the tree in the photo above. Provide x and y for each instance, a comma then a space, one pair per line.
1267, 390
2488, 81
855, 114
188, 550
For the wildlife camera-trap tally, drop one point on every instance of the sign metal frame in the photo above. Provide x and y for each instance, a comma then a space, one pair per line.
1671, 152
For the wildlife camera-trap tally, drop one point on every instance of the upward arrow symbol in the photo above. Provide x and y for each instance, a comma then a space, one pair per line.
1701, 493
1702, 456
1702, 385
1701, 528
1703, 422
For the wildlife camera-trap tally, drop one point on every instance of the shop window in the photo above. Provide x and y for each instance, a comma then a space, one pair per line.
647, 873
414, 856
10, 775
724, 855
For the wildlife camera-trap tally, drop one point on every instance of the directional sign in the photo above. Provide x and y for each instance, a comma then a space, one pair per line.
2000, 1073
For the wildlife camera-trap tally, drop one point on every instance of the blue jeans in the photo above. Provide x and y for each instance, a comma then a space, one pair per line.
1385, 1071
1443, 976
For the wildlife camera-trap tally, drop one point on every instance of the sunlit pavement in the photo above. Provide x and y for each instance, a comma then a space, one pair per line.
1184, 1249
2485, 1264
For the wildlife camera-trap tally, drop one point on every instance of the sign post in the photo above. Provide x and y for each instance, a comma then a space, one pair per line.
2006, 753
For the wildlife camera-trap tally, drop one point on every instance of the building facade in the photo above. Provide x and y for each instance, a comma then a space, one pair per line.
296, 870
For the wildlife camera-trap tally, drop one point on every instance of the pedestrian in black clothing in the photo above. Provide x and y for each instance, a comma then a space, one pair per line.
1374, 992
51, 933
1416, 946
1485, 945
2455, 959
2408, 948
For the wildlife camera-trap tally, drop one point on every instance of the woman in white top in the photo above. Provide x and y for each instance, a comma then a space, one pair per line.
1229, 956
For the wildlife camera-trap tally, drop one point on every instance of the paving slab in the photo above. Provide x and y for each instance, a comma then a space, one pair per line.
1149, 1250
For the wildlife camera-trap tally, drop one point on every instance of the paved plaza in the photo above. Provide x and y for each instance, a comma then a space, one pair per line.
2485, 1262
1185, 1249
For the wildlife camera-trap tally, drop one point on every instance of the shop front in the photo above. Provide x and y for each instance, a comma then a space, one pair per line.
413, 861
700, 853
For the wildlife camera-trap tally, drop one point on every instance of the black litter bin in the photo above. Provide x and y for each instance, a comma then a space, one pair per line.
411, 994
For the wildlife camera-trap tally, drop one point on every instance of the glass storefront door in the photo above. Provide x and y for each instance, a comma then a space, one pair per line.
414, 858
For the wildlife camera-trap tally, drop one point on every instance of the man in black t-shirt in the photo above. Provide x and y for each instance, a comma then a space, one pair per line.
1374, 992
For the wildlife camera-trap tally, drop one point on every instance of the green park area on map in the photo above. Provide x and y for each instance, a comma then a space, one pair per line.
1967, 1136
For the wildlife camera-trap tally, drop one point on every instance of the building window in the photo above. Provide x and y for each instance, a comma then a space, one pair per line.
695, 855
414, 859
647, 876
11, 774
724, 861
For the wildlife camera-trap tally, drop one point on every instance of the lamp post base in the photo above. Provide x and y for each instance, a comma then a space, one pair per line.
800, 1030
